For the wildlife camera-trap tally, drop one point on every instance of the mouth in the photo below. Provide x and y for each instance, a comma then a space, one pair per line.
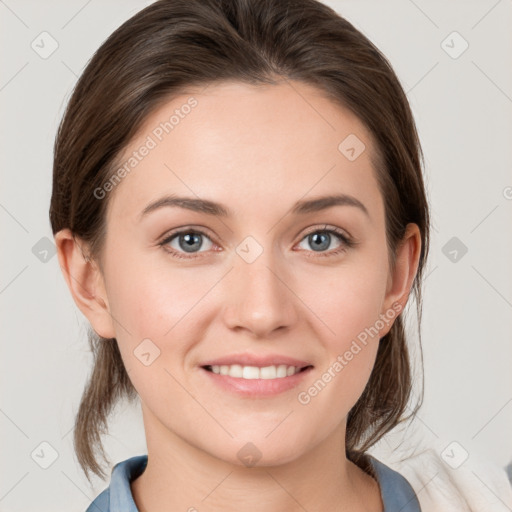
255, 381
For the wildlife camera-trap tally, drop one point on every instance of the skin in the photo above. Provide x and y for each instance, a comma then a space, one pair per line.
256, 150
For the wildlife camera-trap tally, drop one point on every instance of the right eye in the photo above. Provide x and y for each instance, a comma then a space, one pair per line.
186, 241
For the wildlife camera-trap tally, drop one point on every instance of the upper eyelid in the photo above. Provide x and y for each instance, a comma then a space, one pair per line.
328, 227
180, 231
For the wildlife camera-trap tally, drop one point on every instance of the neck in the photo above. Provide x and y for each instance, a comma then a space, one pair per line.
180, 476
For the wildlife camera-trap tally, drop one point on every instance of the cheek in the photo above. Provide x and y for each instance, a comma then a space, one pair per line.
162, 312
346, 300
150, 314
346, 304
150, 300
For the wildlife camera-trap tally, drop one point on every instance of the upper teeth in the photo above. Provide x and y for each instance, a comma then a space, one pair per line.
253, 372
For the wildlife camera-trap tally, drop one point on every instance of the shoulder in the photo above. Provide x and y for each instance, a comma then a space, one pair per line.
101, 502
396, 492
117, 497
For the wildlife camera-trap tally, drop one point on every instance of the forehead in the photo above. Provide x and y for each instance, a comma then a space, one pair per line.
247, 145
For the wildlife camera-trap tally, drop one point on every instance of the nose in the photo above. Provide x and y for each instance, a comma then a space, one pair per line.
260, 299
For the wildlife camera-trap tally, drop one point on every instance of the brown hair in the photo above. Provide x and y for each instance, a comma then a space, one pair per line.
174, 44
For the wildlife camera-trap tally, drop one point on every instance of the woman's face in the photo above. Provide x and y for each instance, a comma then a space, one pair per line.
266, 278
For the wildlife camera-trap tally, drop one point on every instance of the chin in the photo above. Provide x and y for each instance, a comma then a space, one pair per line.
258, 452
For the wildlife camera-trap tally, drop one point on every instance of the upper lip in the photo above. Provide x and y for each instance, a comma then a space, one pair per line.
260, 361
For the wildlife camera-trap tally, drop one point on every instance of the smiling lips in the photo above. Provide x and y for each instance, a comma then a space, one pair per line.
253, 375
252, 366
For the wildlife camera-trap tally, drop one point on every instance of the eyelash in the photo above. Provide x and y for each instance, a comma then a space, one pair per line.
346, 242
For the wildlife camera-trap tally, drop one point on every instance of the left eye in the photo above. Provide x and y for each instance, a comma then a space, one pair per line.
321, 240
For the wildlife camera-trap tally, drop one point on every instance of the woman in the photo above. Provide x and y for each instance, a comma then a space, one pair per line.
239, 211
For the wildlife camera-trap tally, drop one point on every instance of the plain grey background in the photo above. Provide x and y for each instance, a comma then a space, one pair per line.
462, 101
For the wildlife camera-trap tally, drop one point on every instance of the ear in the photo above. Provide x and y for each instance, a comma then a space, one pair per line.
401, 279
85, 282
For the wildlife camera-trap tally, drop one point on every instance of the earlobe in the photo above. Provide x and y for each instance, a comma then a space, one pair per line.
85, 282
406, 267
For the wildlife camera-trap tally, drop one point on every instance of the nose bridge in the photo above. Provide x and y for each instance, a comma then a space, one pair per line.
259, 298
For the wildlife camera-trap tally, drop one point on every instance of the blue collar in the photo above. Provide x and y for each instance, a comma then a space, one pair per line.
396, 492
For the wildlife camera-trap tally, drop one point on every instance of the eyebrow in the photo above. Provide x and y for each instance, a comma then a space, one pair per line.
216, 209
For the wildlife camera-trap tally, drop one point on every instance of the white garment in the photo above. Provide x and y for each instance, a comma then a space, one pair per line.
443, 479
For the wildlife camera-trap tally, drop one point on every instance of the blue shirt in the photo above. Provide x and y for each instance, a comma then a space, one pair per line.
397, 493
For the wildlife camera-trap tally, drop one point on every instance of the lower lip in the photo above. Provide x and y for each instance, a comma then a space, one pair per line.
257, 387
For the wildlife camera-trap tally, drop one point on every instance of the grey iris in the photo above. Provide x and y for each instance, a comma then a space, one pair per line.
316, 242
192, 241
